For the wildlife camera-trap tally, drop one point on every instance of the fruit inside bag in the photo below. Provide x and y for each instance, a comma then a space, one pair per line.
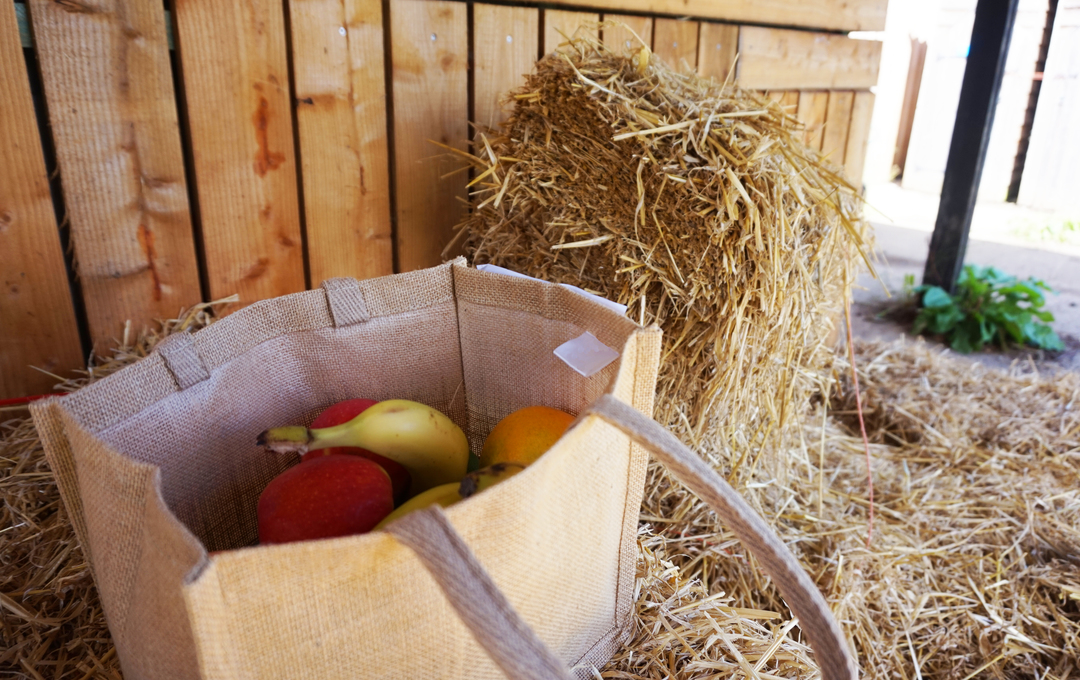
342, 412
360, 458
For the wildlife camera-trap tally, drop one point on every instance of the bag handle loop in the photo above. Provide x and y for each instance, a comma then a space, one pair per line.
514, 646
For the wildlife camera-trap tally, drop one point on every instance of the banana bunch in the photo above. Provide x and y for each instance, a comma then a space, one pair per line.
429, 445
432, 448
448, 494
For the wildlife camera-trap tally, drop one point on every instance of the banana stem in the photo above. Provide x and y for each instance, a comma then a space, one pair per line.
288, 439
300, 439
478, 480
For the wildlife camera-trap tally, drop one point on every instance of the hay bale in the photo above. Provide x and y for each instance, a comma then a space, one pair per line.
695, 204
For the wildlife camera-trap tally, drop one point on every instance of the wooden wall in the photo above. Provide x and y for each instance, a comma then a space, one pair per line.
258, 148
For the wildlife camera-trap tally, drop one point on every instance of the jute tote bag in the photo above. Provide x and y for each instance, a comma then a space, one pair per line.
157, 466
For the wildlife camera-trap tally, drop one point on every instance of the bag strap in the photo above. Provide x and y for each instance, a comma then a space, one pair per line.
802, 596
517, 650
503, 634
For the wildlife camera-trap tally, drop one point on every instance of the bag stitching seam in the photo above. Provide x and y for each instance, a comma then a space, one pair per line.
607, 636
623, 541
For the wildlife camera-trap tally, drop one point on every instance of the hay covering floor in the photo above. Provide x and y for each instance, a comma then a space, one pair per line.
973, 569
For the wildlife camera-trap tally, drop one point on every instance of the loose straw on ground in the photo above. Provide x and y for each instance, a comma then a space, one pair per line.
862, 423
51, 619
975, 564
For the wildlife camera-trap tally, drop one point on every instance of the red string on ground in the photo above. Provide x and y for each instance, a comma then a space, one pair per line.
19, 401
862, 425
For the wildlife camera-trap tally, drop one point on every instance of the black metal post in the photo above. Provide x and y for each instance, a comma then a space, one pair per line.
990, 37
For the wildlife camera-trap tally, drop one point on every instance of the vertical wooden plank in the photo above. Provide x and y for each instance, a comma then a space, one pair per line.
504, 50
37, 319
621, 40
341, 119
559, 23
717, 47
236, 83
911, 98
676, 42
430, 88
813, 107
113, 113
788, 100
837, 122
862, 108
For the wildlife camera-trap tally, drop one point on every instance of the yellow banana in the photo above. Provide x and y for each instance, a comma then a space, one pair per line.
444, 495
478, 480
425, 441
448, 494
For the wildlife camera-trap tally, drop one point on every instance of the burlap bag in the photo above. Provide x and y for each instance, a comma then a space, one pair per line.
157, 465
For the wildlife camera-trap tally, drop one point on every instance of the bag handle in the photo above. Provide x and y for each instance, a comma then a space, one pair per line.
503, 634
802, 596
514, 646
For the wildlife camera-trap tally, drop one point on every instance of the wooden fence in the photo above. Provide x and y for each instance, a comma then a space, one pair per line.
258, 148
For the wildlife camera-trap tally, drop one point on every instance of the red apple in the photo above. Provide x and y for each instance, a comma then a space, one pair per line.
343, 412
325, 497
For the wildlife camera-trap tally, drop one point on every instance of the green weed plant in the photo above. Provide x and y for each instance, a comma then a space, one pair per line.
989, 307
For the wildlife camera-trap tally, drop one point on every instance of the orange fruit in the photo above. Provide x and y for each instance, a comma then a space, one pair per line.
524, 435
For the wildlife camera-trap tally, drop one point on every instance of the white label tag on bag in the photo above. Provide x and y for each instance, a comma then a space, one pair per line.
585, 354
613, 306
